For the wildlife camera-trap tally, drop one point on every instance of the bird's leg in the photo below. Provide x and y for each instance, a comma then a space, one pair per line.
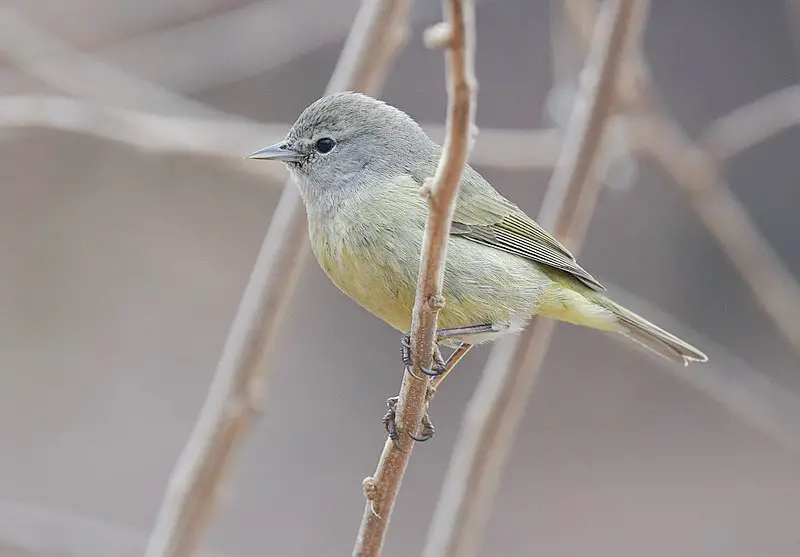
459, 353
442, 334
439, 366
451, 362
428, 431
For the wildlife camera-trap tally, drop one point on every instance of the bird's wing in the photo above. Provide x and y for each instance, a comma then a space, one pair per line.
484, 216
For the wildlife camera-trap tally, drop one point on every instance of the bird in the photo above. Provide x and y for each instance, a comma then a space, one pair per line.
359, 164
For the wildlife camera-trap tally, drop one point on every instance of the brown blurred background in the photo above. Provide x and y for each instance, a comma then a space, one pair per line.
121, 269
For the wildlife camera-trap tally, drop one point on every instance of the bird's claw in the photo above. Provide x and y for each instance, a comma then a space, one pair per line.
436, 369
389, 420
405, 344
390, 423
427, 432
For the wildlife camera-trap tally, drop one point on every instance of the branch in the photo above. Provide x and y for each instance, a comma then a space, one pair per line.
699, 175
752, 123
382, 488
195, 61
211, 132
80, 74
496, 409
228, 139
237, 390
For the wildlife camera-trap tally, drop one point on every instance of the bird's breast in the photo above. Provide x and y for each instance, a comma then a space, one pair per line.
365, 257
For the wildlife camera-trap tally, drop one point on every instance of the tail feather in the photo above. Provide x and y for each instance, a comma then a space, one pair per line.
650, 336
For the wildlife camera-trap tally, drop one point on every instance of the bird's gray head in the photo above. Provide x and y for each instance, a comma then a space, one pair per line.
345, 142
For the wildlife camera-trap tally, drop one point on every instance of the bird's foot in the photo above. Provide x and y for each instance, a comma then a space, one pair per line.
439, 366
389, 422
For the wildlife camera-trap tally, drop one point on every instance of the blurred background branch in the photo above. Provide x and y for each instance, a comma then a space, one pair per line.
63, 68
227, 139
753, 123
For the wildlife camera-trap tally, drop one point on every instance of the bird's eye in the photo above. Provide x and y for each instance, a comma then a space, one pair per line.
325, 144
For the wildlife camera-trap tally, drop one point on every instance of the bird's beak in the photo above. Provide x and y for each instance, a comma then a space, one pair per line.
279, 152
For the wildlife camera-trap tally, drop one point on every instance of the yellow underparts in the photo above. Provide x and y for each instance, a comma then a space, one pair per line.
378, 269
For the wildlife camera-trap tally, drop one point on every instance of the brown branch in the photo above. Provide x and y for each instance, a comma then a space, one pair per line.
237, 390
496, 409
698, 173
381, 489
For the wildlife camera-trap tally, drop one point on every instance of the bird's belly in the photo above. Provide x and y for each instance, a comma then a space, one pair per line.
481, 284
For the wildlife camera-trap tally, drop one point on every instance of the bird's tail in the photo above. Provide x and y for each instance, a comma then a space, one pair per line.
655, 338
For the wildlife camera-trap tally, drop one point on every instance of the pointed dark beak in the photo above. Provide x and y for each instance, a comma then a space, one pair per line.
278, 152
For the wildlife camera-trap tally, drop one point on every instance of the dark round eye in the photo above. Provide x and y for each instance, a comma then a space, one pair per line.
325, 144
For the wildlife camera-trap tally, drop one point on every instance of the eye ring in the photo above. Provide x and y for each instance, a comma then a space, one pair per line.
325, 145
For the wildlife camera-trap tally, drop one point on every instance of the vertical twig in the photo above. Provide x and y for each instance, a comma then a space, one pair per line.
238, 387
496, 409
457, 34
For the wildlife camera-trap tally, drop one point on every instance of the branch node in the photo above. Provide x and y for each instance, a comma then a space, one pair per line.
370, 487
439, 35
426, 189
435, 302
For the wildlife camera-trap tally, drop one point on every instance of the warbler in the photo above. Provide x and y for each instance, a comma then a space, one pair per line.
359, 164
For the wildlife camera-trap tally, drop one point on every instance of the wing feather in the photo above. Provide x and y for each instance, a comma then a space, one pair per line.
484, 216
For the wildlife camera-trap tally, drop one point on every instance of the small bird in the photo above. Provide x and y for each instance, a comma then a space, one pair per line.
359, 164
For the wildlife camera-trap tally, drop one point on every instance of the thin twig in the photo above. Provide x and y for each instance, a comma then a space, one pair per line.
382, 488
496, 409
698, 173
238, 387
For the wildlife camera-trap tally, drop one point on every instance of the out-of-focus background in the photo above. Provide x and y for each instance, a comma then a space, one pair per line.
121, 268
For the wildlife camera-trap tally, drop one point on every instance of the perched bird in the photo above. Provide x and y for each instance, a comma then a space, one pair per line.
359, 164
